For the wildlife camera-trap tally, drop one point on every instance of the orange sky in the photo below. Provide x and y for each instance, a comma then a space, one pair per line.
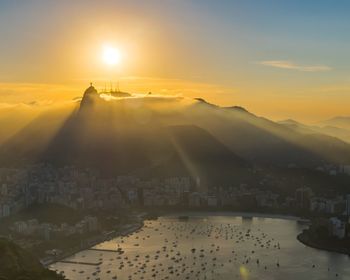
266, 60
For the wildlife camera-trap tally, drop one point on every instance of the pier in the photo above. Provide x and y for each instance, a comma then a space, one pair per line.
84, 263
104, 250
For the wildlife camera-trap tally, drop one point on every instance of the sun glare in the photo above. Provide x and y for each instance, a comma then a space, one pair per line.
111, 55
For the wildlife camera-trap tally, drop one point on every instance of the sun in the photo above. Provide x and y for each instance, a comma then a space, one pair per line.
110, 55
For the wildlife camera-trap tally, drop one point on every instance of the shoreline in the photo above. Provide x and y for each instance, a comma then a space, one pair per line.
195, 214
232, 214
175, 214
104, 237
305, 239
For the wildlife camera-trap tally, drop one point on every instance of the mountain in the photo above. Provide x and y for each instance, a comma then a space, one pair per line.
123, 137
16, 263
198, 154
262, 141
164, 135
122, 145
299, 127
341, 133
340, 122
338, 132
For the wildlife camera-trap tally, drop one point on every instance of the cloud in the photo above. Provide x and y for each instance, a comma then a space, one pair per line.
149, 95
289, 65
36, 94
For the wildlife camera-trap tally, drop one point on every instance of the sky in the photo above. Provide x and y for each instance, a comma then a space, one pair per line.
277, 58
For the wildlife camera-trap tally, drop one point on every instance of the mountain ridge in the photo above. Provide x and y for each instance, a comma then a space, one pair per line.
124, 135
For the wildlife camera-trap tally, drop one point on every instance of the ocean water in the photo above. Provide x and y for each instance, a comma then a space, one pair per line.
208, 247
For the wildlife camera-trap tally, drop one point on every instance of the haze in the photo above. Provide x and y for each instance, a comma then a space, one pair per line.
278, 59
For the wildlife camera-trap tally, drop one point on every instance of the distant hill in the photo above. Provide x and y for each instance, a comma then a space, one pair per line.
16, 263
298, 126
265, 142
341, 122
338, 132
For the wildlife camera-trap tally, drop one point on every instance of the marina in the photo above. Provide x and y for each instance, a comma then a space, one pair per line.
208, 247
